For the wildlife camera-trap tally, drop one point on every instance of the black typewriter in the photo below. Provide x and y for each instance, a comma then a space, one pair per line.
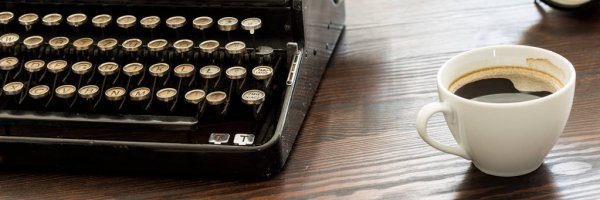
207, 86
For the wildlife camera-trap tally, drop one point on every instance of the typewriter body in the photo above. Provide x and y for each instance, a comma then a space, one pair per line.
210, 87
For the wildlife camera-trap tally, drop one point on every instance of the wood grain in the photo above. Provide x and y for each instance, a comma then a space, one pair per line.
359, 139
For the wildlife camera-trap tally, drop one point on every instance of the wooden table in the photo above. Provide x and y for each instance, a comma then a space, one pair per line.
359, 139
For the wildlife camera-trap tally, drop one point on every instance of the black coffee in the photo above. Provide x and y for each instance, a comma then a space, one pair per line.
505, 84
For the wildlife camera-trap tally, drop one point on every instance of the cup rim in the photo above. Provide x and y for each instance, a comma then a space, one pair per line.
570, 82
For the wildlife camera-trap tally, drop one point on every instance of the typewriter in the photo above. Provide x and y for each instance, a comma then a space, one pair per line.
211, 87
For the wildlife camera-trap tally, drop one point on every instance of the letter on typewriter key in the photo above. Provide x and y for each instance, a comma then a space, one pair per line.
13, 88
107, 44
126, 21
57, 66
39, 91
157, 45
218, 138
65, 91
83, 44
132, 44
102, 20
195, 96
166, 94
253, 97
262, 72
33, 42
88, 91
139, 94
209, 46
6, 17
175, 22
202, 23
133, 69
8, 63
76, 19
108, 68
9, 39
159, 69
115, 93
58, 42
251, 24
227, 23
243, 139
82, 67
150, 22
210, 71
52, 19
34, 65
184, 70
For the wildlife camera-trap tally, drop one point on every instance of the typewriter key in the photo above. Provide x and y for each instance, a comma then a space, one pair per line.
202, 23
6, 17
184, 45
157, 45
262, 72
28, 19
133, 69
83, 44
102, 20
132, 44
150, 22
115, 93
34, 65
140, 94
175, 22
8, 63
126, 21
32, 42
65, 91
76, 19
9, 39
166, 94
227, 23
209, 46
235, 47
13, 88
243, 139
82, 67
236, 72
88, 91
39, 91
216, 98
57, 66
253, 97
218, 138
108, 68
52, 19
210, 71
107, 44
195, 96
184, 70
159, 69
58, 42
251, 24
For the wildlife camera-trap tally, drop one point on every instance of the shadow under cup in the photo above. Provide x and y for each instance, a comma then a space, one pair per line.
505, 139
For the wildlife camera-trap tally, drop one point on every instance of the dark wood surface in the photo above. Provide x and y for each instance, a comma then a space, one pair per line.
359, 139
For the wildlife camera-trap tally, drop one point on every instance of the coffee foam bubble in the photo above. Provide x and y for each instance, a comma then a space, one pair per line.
524, 79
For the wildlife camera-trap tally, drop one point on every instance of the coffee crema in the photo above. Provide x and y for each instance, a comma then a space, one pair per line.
505, 84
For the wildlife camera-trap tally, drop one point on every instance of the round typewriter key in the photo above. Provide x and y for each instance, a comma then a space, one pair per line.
253, 97
184, 70
126, 21
235, 47
28, 19
6, 17
159, 69
8, 63
65, 91
132, 44
264, 50
139, 94
9, 39
175, 22
52, 19
81, 67
133, 69
236, 72
88, 91
39, 91
13, 88
58, 42
157, 45
166, 94
108, 68
83, 44
216, 98
34, 65
107, 44
102, 20
227, 23
150, 22
262, 72
210, 71
77, 19
251, 24
115, 93
183, 45
57, 66
202, 23
195, 96
33, 41
209, 46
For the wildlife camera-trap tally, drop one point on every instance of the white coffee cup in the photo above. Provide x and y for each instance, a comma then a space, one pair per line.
502, 139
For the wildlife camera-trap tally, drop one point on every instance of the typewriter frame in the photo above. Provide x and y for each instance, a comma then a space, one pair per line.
321, 24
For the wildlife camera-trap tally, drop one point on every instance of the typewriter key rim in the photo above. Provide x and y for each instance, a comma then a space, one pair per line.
236, 72
182, 73
176, 22
76, 19
251, 24
107, 71
107, 44
216, 100
83, 44
215, 73
95, 90
250, 99
133, 69
183, 45
126, 21
34, 68
13, 90
162, 44
202, 22
57, 66
228, 23
83, 70
155, 69
58, 42
28, 19
32, 42
264, 50
101, 20
209, 46
9, 66
52, 19
135, 47
257, 72
146, 23
116, 97
6, 17
172, 93
192, 98
68, 91
9, 39
145, 95
39, 95
235, 47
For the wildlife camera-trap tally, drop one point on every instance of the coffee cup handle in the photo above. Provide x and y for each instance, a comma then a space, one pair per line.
423, 117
